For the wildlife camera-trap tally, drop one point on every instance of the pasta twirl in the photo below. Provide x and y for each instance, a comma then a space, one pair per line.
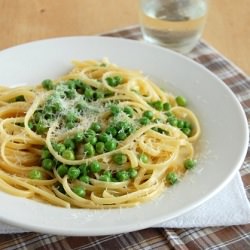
99, 136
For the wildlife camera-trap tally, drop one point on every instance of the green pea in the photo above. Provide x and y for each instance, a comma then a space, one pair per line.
45, 153
149, 114
187, 131
84, 168
118, 79
59, 148
104, 137
144, 120
110, 145
47, 84
80, 106
99, 147
190, 163
158, 105
70, 93
69, 143
89, 132
35, 174
73, 173
144, 158
40, 128
121, 136
89, 149
79, 190
111, 131
30, 124
180, 123
166, 106
96, 126
98, 95
114, 109
129, 111
70, 125
48, 164
187, 124
120, 158
68, 154
95, 167
89, 93
111, 81
71, 84
172, 178
173, 121
181, 101
92, 140
79, 136
71, 117
122, 175
62, 170
132, 173
20, 98
108, 173
105, 178
85, 179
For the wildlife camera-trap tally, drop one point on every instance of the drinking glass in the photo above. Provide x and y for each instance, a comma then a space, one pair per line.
175, 24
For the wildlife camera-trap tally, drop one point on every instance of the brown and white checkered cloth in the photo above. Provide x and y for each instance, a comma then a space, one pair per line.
232, 237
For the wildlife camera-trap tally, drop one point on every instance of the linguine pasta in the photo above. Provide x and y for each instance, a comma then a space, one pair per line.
100, 136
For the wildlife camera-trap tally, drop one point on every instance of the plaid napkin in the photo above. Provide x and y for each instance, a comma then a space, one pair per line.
231, 205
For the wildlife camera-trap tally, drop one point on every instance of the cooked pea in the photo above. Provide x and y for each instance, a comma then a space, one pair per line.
85, 179
79, 136
103, 137
166, 106
62, 170
45, 153
132, 173
47, 84
68, 154
172, 178
84, 168
149, 114
129, 111
89, 93
104, 178
73, 173
40, 128
48, 164
190, 163
69, 143
96, 126
122, 175
99, 147
59, 148
79, 190
158, 105
89, 149
186, 131
120, 158
114, 109
35, 174
121, 136
110, 145
111, 131
181, 101
95, 167
144, 158
144, 120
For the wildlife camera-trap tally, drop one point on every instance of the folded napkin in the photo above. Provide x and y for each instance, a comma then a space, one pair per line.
228, 207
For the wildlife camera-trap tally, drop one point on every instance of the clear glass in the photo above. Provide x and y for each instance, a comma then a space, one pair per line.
176, 24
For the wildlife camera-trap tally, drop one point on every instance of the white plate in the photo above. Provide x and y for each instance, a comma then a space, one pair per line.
222, 147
